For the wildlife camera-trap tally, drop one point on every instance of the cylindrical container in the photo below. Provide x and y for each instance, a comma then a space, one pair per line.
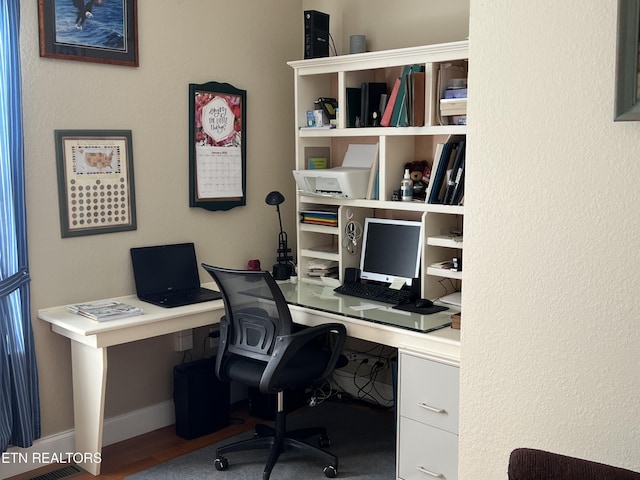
357, 44
406, 187
253, 265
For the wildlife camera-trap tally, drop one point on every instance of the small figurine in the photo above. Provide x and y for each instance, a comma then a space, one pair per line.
420, 173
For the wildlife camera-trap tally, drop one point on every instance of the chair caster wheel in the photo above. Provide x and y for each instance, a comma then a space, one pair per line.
330, 471
221, 463
324, 441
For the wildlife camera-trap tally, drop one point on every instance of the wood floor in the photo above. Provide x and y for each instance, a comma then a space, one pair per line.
140, 453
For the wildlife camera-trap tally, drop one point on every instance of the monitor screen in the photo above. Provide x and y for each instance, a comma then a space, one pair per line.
391, 250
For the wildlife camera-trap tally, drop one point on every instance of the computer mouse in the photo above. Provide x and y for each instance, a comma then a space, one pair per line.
423, 303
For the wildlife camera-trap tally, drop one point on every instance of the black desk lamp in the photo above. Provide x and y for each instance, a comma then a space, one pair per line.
283, 269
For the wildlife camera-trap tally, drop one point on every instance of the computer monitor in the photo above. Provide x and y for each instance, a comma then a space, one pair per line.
391, 250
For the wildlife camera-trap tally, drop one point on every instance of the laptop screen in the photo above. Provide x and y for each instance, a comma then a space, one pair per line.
165, 268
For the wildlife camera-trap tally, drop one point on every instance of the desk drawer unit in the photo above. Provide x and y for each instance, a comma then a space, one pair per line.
427, 452
428, 418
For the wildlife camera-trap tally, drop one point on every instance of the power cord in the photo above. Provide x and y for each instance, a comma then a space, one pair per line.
335, 52
185, 354
446, 289
352, 236
321, 393
367, 391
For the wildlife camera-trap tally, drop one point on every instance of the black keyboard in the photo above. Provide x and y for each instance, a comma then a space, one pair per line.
375, 292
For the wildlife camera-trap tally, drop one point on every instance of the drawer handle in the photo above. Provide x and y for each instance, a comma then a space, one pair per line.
432, 409
428, 472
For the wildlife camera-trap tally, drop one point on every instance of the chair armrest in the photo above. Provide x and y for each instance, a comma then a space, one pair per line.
288, 345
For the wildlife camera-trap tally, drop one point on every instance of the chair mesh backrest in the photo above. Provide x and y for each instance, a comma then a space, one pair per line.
255, 312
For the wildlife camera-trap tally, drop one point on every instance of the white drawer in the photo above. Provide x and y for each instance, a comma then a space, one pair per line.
427, 453
429, 392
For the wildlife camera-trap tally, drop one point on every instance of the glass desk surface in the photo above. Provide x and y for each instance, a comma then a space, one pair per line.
323, 298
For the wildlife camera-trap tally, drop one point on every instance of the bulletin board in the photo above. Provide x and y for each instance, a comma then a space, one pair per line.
217, 159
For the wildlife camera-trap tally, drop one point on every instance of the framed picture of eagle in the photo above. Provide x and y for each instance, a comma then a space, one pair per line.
100, 31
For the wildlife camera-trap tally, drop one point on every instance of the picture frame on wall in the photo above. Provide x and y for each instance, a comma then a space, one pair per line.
95, 181
627, 97
100, 31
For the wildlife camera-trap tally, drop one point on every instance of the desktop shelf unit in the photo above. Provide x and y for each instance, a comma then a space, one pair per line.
331, 77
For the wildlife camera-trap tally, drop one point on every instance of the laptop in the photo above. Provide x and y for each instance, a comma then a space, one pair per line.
167, 275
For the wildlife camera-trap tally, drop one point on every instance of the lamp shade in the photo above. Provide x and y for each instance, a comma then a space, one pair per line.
274, 198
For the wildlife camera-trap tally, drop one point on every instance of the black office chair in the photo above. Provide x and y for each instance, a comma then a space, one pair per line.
261, 347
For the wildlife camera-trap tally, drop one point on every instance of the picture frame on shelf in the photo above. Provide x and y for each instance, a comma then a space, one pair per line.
99, 31
95, 181
627, 95
217, 143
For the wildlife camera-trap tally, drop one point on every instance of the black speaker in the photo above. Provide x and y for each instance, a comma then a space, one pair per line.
416, 289
351, 275
316, 34
201, 400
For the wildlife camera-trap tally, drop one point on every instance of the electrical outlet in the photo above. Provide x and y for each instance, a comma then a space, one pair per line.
183, 340
358, 357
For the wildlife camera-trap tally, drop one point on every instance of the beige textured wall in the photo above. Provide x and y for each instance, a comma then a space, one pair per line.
181, 42
550, 335
550, 338
404, 23
244, 43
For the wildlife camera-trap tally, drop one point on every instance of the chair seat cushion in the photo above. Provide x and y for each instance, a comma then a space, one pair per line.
303, 370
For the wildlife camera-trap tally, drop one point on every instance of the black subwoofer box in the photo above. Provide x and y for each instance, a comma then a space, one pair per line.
201, 400
316, 34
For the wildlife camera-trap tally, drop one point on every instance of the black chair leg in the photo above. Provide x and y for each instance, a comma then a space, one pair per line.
278, 440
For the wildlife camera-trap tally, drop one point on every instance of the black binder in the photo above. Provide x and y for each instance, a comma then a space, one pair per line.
370, 102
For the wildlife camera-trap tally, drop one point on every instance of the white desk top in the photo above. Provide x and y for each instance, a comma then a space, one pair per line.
153, 322
306, 310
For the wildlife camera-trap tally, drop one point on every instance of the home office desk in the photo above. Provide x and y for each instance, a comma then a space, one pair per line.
310, 305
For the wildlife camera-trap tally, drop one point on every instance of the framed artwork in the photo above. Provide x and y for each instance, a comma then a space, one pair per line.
101, 31
217, 138
95, 181
627, 101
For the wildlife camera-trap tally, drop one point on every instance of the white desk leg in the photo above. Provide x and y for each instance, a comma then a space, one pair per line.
89, 384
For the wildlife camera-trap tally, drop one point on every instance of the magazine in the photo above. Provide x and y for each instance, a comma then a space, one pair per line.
105, 310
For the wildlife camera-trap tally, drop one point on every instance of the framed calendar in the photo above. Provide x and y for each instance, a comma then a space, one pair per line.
217, 160
95, 181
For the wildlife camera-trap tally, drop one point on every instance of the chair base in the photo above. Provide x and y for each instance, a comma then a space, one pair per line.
277, 440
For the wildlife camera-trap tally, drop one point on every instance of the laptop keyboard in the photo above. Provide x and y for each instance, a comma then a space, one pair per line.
184, 293
178, 298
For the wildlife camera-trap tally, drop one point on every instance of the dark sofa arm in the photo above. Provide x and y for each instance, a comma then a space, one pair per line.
532, 464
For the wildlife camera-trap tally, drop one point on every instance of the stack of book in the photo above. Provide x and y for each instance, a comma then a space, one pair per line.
322, 268
452, 91
446, 185
320, 217
406, 105
105, 310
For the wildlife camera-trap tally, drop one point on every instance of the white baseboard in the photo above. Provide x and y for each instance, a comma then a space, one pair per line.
16, 461
138, 422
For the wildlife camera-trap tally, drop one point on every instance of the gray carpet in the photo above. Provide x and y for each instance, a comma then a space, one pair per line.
362, 438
